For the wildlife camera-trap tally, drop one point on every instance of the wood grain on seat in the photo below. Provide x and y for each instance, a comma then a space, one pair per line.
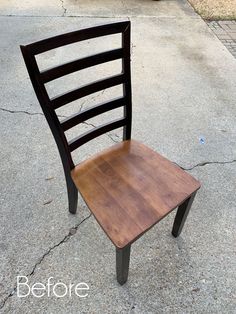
129, 188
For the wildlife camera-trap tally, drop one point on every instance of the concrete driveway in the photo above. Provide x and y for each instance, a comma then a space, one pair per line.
183, 107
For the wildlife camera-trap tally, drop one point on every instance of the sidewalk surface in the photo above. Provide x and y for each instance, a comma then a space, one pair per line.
183, 107
226, 32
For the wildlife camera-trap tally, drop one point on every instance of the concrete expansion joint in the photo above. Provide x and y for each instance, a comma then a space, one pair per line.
70, 234
129, 17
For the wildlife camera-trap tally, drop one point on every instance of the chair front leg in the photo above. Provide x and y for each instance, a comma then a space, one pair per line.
181, 215
122, 264
72, 193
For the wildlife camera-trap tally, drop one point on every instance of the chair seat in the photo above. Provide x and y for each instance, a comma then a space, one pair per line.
129, 188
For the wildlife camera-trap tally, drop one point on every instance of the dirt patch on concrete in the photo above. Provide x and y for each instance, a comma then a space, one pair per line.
215, 9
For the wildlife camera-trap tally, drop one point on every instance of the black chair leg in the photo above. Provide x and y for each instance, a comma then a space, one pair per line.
181, 215
122, 264
72, 195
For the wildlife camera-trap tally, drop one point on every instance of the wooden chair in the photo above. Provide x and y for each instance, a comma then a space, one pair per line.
128, 187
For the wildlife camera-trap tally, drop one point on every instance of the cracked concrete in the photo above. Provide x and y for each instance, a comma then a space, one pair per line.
115, 138
63, 8
205, 163
41, 259
27, 112
174, 56
202, 164
22, 111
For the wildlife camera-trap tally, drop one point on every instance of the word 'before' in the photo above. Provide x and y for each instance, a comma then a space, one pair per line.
58, 289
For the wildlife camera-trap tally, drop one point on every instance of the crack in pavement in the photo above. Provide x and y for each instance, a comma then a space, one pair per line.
92, 99
201, 164
111, 136
108, 135
123, 4
132, 48
131, 301
63, 8
73, 230
27, 112
60, 116
71, 233
22, 111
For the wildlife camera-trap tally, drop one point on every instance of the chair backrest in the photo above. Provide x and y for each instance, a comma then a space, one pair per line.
49, 105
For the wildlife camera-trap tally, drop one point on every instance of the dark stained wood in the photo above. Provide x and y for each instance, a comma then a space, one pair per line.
127, 86
86, 90
85, 137
122, 264
129, 188
80, 64
80, 35
48, 105
181, 215
86, 114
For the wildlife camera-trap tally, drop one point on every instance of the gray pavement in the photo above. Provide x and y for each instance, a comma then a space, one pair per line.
183, 91
226, 32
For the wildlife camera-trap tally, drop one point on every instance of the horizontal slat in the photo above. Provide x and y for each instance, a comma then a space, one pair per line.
87, 90
84, 138
70, 38
76, 65
94, 111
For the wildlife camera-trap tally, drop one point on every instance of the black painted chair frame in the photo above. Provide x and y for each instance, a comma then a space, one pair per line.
58, 128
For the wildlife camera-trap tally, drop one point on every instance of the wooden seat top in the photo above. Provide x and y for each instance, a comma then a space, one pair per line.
129, 188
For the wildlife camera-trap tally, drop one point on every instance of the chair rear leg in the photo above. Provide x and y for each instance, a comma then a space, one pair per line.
181, 215
72, 194
122, 264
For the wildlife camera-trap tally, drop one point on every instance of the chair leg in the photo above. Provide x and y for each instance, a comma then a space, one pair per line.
72, 195
181, 215
122, 264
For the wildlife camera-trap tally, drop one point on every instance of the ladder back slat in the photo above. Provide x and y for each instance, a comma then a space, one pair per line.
83, 91
94, 111
84, 138
49, 105
76, 65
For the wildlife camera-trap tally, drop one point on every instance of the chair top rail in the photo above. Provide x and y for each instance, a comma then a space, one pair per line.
76, 36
